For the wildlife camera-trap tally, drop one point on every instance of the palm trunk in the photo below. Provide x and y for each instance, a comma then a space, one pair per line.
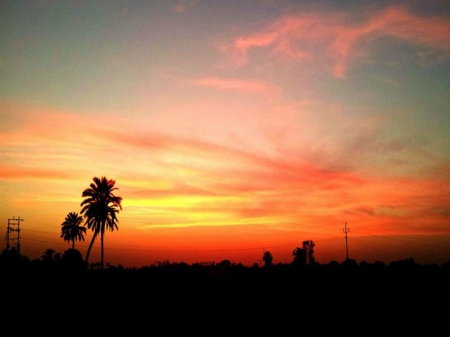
101, 242
89, 248
102, 234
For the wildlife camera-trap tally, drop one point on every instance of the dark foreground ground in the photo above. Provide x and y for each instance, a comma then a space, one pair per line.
228, 299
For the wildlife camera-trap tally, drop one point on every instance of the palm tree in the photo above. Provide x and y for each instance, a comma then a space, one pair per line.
99, 209
72, 229
51, 257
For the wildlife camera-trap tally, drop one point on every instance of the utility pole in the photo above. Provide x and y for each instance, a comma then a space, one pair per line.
11, 223
345, 231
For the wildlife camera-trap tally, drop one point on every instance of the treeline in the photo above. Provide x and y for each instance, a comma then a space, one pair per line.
72, 260
58, 278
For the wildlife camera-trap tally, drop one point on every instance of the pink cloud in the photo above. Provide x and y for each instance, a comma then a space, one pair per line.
335, 39
238, 49
396, 21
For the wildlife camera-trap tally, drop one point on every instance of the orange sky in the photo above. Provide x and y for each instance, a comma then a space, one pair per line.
230, 135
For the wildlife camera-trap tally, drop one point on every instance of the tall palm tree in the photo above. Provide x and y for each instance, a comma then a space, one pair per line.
72, 229
99, 209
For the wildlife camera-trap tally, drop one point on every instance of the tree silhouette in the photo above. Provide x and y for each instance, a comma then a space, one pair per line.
99, 209
267, 258
308, 247
51, 257
49, 254
71, 228
304, 255
72, 259
299, 256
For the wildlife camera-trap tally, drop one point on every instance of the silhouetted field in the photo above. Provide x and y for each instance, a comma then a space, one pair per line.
233, 295
282, 291
228, 278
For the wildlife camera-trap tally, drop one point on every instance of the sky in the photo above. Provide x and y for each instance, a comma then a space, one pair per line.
230, 128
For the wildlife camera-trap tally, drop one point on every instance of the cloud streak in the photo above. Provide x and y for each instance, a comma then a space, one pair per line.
307, 37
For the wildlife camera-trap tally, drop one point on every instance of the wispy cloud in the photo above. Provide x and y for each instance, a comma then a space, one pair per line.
268, 189
332, 40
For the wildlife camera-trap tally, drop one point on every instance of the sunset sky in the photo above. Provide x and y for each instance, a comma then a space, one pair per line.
231, 128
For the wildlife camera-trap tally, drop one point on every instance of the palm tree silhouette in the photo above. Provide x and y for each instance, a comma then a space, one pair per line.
99, 209
71, 228
50, 258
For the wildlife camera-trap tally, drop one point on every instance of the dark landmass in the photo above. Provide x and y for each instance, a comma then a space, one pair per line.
398, 293
346, 277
